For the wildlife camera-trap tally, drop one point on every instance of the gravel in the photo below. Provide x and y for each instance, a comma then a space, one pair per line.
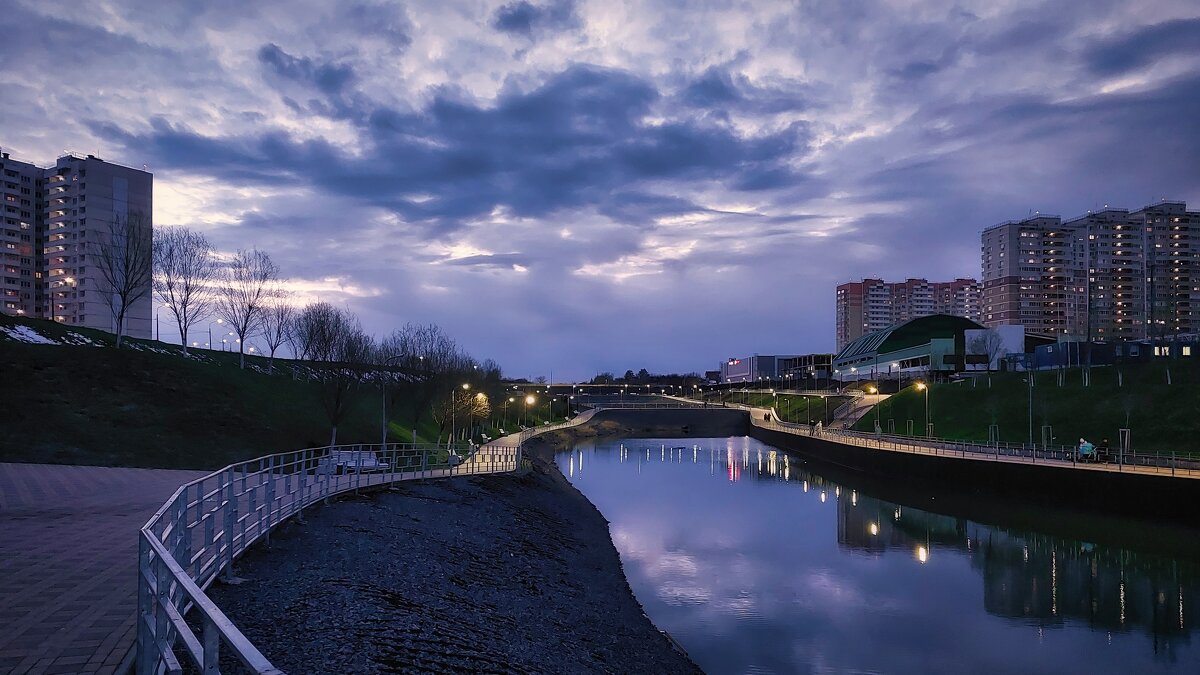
495, 574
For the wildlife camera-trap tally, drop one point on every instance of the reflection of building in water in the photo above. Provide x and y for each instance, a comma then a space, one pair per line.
1027, 576
1035, 577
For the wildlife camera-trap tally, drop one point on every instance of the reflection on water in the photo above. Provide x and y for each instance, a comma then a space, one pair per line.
755, 564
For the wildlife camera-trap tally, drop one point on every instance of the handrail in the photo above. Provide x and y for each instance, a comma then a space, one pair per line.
1060, 456
208, 523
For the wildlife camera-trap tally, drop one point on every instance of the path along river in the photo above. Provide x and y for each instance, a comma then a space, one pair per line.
756, 564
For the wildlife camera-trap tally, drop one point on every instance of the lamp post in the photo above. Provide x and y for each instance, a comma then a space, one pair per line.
453, 410
899, 375
383, 391
921, 386
510, 400
528, 399
873, 391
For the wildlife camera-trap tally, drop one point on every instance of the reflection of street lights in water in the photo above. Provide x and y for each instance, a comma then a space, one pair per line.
922, 554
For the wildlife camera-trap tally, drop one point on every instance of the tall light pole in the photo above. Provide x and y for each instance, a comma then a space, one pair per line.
383, 391
453, 410
528, 399
873, 391
899, 375
921, 386
510, 400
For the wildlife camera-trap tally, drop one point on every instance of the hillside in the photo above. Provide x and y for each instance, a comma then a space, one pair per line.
73, 398
1162, 416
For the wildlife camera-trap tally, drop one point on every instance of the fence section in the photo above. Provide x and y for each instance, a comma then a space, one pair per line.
1057, 455
210, 522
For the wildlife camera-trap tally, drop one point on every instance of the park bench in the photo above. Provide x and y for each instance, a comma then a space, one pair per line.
351, 461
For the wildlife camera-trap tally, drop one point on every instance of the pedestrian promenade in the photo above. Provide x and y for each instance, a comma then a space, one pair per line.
68, 562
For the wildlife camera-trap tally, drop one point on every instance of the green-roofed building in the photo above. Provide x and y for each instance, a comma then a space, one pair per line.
928, 343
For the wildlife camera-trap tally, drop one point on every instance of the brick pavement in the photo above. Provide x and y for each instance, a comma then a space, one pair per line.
68, 556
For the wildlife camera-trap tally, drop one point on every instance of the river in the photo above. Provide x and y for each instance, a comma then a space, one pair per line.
756, 564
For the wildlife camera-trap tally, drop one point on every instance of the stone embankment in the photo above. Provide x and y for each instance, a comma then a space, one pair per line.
499, 574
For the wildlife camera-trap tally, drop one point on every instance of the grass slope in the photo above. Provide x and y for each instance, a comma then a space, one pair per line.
83, 405
81, 401
1162, 416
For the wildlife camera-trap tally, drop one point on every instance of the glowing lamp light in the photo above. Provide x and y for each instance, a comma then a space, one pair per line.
922, 554
530, 399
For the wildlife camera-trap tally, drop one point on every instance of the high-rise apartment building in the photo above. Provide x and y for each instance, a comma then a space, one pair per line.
873, 304
20, 237
72, 208
1110, 274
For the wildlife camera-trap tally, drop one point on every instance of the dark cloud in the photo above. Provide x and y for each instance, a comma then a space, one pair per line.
527, 19
1143, 46
327, 76
720, 89
503, 260
579, 140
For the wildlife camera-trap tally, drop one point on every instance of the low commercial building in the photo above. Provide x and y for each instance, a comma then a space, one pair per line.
928, 344
753, 368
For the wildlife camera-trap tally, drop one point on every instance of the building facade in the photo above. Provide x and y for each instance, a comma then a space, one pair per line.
753, 368
74, 207
1107, 275
20, 237
873, 304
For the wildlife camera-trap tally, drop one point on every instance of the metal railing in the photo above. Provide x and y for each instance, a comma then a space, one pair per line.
1056, 455
208, 523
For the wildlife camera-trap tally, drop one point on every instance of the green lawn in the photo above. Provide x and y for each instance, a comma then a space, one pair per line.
147, 406
1162, 416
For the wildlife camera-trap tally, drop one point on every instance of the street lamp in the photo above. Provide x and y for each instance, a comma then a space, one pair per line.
528, 400
921, 386
510, 400
453, 410
873, 391
899, 375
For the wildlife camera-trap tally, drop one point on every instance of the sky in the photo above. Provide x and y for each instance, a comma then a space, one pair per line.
574, 186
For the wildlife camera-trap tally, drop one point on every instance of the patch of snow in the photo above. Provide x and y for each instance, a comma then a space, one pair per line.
27, 334
72, 338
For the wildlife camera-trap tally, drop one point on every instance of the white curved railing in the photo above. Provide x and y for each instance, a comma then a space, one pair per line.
208, 523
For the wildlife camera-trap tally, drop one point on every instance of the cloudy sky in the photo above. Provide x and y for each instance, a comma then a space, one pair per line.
585, 185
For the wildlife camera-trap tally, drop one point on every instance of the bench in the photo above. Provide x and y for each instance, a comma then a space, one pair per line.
351, 461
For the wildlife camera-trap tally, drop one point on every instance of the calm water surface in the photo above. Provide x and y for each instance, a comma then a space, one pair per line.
756, 565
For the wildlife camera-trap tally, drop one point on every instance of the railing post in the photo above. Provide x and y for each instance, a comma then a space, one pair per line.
231, 511
146, 653
212, 648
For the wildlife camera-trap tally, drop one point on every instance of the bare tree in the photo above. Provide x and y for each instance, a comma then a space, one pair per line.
312, 331
184, 269
125, 256
432, 361
245, 289
341, 353
278, 316
989, 343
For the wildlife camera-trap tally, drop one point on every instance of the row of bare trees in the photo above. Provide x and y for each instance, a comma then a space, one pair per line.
245, 293
418, 368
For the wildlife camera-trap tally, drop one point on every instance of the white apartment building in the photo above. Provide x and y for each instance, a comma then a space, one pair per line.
1109, 274
75, 203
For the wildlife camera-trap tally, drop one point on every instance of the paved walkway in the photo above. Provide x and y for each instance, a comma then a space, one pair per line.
68, 556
